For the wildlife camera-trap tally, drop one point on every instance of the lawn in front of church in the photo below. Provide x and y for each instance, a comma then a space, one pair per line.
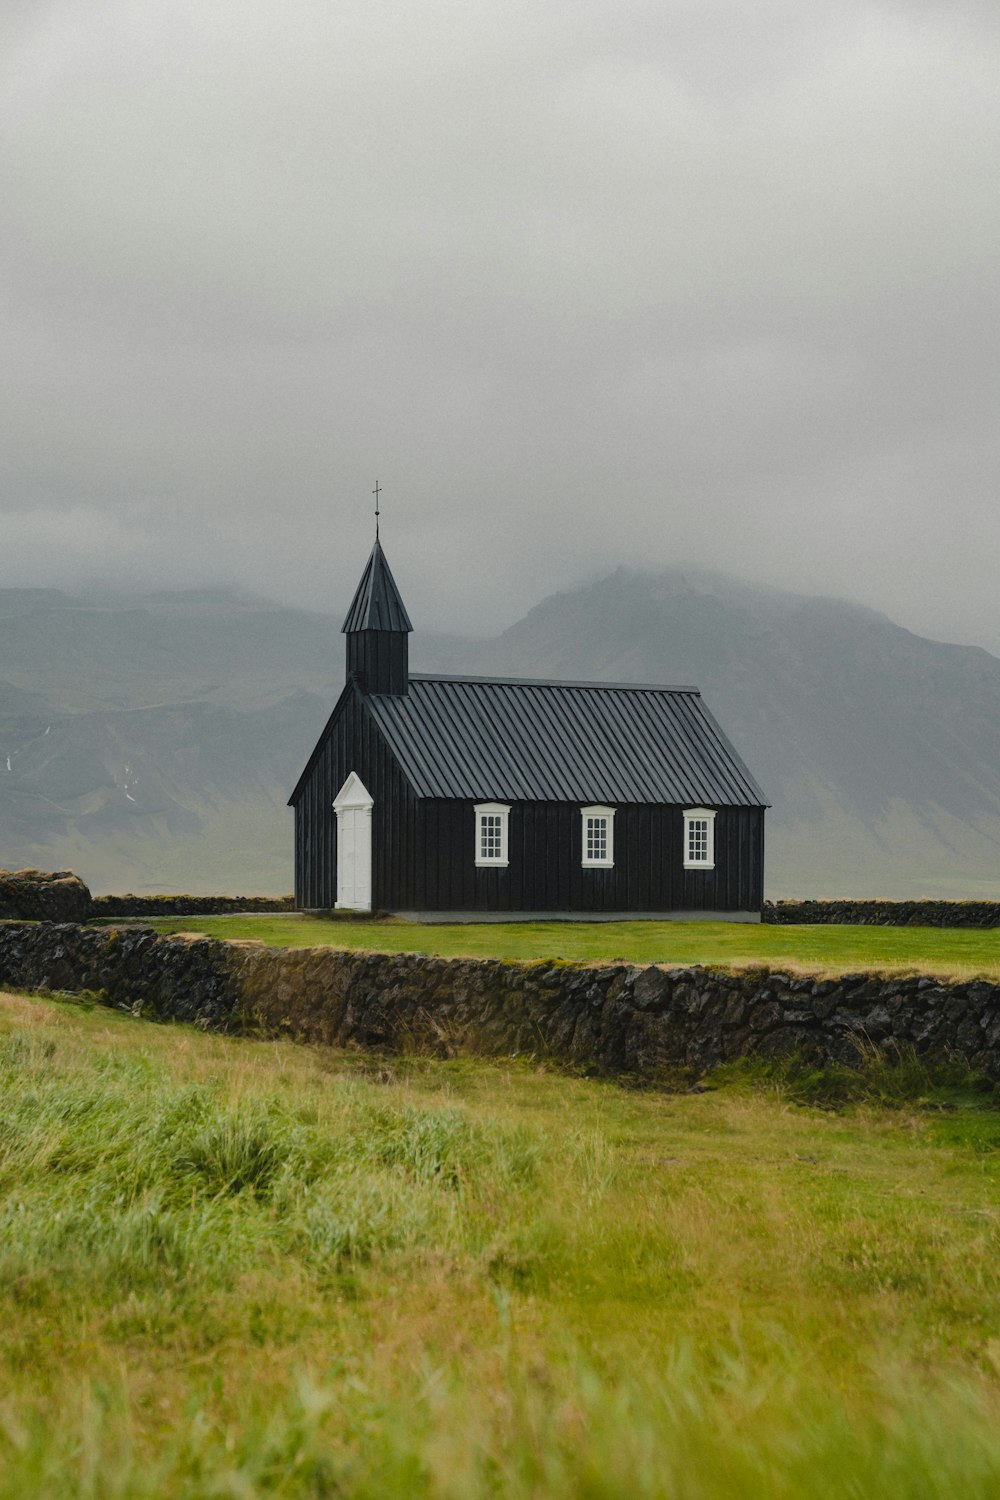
946, 952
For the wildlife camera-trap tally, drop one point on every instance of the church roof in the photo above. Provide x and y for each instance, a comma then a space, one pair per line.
518, 739
377, 604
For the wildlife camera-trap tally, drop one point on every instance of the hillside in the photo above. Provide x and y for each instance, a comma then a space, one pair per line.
151, 742
879, 750
302, 1273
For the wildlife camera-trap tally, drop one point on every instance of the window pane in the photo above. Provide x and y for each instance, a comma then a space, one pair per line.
490, 836
698, 840
596, 838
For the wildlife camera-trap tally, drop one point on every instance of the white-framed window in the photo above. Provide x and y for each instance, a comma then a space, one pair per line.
598, 837
699, 839
491, 833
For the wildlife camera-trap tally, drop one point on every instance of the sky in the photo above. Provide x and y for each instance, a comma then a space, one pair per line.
591, 284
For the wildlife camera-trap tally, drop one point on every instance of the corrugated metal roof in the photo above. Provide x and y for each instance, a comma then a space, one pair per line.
377, 604
526, 740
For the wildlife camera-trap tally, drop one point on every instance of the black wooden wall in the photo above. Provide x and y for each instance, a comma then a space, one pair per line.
545, 872
353, 743
379, 659
423, 852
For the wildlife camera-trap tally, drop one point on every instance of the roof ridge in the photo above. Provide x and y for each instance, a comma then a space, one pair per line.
559, 682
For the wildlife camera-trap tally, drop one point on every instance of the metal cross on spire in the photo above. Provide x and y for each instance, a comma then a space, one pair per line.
376, 492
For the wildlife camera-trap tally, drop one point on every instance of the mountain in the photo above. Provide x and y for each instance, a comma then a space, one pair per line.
217, 645
879, 750
150, 742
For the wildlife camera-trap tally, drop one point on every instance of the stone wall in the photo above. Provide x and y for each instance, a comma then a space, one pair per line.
61, 896
612, 1019
43, 896
186, 906
886, 913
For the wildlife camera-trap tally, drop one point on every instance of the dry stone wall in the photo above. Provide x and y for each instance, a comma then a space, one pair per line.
885, 913
186, 906
61, 896
43, 895
613, 1019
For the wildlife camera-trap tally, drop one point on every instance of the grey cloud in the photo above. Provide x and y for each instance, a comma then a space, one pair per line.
583, 283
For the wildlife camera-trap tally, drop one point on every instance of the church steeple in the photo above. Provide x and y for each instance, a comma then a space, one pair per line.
377, 627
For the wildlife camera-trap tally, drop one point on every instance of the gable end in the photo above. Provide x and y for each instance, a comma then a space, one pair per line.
351, 693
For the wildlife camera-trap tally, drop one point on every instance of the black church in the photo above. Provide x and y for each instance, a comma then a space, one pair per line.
512, 795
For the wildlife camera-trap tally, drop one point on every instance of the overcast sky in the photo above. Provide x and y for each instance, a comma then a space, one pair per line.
583, 284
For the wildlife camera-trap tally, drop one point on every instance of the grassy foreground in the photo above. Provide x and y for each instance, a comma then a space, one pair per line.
239, 1269
824, 949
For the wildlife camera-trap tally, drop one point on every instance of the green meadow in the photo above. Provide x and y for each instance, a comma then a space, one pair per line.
823, 949
234, 1268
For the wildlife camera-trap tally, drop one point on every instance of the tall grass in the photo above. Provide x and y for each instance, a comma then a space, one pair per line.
233, 1268
892, 1076
680, 1436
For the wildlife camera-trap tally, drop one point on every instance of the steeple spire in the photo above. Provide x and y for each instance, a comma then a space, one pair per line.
377, 627
377, 604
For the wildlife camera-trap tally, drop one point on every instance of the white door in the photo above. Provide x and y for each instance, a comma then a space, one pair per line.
353, 806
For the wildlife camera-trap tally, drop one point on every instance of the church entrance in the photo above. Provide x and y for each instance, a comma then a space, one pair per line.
353, 806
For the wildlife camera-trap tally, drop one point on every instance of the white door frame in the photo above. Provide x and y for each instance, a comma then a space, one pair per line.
353, 805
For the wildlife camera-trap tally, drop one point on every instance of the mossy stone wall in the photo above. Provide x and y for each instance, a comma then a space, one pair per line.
885, 913
612, 1019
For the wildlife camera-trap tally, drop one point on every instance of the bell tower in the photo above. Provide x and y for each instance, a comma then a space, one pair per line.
377, 629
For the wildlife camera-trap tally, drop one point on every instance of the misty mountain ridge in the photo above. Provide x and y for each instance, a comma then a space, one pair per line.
880, 750
152, 739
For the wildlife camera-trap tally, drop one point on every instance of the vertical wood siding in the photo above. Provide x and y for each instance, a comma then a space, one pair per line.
354, 744
545, 872
379, 659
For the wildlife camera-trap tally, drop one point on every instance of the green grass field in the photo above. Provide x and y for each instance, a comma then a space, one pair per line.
826, 949
236, 1269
